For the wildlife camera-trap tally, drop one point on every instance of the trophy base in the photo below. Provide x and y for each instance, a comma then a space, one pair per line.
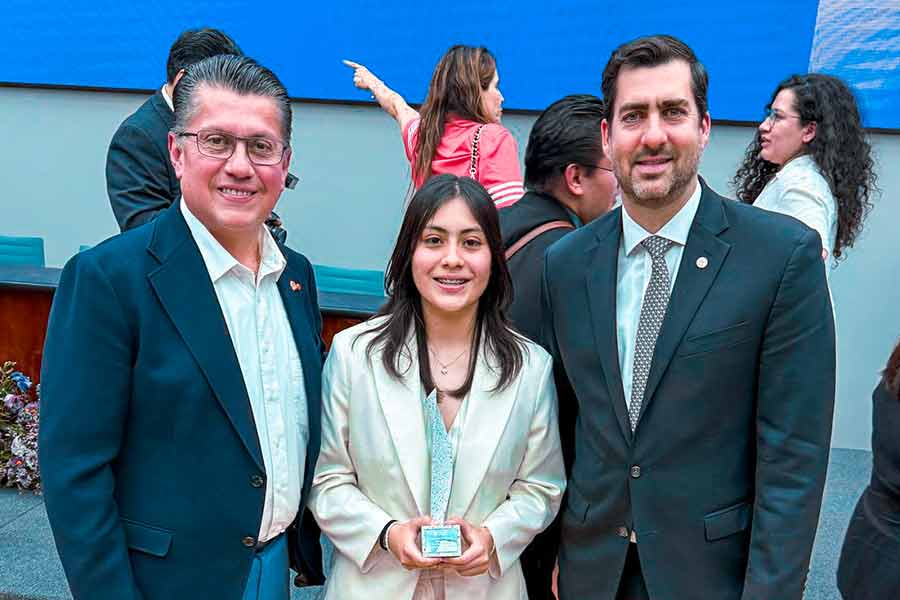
441, 541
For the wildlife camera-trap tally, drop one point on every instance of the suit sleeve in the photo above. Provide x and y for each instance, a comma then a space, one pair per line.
539, 559
85, 391
136, 177
535, 495
794, 416
347, 516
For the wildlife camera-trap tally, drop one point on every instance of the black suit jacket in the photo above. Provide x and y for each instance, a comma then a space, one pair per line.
870, 559
517, 220
152, 471
722, 479
140, 178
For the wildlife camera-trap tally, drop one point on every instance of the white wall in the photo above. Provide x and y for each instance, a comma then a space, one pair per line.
347, 207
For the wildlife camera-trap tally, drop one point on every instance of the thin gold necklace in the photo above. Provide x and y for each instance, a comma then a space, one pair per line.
446, 366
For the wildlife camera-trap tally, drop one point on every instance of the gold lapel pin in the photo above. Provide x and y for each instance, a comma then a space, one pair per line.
296, 286
702, 262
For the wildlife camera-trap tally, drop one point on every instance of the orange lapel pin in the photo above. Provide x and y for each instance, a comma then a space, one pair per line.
296, 286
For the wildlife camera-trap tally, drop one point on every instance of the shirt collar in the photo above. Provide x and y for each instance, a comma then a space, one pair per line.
676, 230
801, 161
167, 97
219, 261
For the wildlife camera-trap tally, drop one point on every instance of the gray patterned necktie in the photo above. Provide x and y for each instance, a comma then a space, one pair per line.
653, 309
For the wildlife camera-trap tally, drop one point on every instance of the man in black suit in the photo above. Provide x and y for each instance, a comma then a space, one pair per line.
140, 179
570, 183
694, 342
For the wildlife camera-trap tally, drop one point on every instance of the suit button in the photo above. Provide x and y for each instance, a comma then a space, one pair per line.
257, 481
622, 532
635, 472
249, 541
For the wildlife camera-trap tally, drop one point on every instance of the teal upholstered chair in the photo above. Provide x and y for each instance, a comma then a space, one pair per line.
15, 250
338, 280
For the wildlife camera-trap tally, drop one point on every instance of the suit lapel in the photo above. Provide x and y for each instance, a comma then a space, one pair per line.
186, 293
401, 403
691, 285
602, 272
486, 416
294, 297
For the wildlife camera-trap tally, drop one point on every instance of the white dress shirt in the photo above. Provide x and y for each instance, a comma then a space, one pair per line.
634, 269
800, 191
270, 365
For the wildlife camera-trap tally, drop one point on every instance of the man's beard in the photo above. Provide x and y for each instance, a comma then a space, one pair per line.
663, 190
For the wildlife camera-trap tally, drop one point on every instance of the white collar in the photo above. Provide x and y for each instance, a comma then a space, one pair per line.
167, 97
219, 261
676, 230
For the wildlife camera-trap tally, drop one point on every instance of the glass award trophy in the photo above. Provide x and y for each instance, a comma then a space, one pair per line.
440, 540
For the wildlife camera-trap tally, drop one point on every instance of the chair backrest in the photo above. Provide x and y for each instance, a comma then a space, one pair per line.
15, 250
338, 280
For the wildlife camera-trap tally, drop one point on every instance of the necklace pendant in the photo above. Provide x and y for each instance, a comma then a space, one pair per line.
443, 370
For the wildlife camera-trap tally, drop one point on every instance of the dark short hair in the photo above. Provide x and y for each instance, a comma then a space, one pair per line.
239, 74
653, 51
567, 132
193, 45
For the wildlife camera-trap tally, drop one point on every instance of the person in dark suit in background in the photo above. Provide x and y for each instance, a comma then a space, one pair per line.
569, 183
140, 178
181, 382
694, 346
869, 568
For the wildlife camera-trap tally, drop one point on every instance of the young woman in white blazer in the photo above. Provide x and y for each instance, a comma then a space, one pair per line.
442, 329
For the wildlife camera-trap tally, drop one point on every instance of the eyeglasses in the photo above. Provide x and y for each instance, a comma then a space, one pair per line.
220, 145
774, 116
596, 167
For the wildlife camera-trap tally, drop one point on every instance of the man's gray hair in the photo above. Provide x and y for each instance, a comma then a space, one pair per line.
239, 74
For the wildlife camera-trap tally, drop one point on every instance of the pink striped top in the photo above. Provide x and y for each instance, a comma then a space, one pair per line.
498, 157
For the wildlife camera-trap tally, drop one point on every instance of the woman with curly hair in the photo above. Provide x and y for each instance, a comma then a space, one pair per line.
458, 130
811, 160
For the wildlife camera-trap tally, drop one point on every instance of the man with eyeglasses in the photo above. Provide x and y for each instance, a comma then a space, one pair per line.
569, 183
181, 375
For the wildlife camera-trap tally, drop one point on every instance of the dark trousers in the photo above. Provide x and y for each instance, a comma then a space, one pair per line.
631, 586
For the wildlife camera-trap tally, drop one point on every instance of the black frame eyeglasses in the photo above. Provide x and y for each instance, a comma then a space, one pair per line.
221, 145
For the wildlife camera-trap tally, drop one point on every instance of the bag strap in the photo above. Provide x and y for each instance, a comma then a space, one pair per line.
473, 163
536, 232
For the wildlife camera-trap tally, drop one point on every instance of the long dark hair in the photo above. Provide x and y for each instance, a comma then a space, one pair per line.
891, 372
840, 149
456, 85
403, 308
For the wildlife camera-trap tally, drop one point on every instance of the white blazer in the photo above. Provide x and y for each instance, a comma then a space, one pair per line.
374, 467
